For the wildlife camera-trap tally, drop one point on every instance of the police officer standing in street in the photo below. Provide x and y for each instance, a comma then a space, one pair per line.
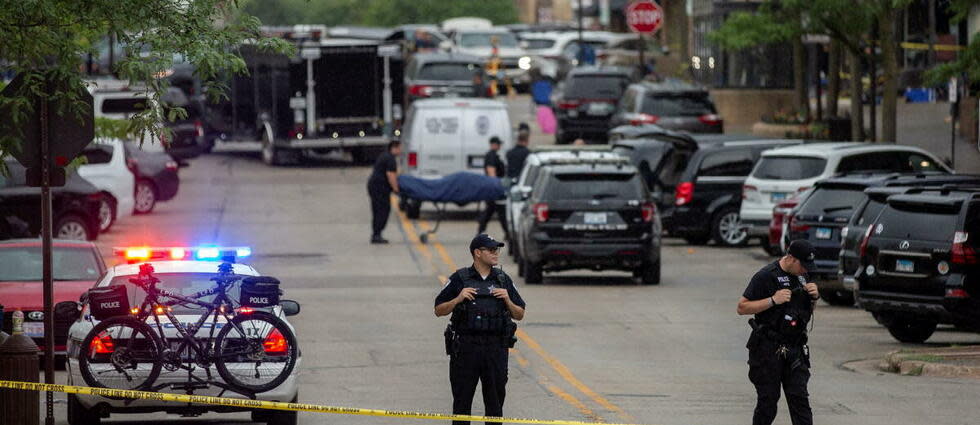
383, 181
782, 301
518, 154
484, 304
493, 166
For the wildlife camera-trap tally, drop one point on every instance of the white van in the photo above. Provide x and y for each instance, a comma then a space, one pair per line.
443, 136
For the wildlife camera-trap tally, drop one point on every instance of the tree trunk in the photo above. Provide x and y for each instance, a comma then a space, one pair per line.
857, 109
889, 59
799, 78
833, 77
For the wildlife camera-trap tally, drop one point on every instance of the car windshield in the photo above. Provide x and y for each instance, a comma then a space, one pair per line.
24, 264
539, 44
185, 284
789, 168
832, 202
588, 186
687, 105
482, 39
448, 71
919, 222
596, 87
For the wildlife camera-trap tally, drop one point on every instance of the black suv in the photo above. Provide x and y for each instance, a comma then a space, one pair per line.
919, 264
709, 192
670, 104
75, 207
585, 101
596, 215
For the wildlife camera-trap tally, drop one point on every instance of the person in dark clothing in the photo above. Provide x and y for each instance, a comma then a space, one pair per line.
517, 155
493, 166
484, 304
383, 181
782, 301
480, 88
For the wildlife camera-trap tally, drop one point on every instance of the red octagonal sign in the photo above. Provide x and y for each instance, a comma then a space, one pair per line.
644, 16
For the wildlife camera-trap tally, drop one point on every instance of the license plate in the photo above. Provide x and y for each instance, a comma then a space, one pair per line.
824, 233
905, 266
595, 218
778, 196
476, 161
598, 109
34, 329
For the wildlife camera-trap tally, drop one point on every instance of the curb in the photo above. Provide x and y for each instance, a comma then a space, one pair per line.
932, 362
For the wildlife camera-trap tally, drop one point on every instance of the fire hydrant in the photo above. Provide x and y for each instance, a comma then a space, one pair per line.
19, 362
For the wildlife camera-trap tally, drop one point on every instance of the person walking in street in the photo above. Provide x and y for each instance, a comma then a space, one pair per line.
493, 166
782, 301
383, 181
484, 304
518, 154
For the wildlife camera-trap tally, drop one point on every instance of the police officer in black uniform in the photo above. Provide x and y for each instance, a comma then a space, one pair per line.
484, 304
517, 155
782, 301
383, 181
493, 166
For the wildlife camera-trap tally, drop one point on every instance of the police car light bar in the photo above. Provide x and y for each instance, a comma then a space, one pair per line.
177, 253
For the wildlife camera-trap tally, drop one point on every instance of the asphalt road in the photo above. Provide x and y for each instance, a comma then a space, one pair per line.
594, 346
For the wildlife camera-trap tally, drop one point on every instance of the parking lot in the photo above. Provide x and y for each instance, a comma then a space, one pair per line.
594, 346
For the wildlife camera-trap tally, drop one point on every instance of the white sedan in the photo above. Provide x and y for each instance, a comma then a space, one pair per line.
182, 277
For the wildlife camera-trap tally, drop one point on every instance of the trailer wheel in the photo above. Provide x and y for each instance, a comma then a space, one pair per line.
270, 154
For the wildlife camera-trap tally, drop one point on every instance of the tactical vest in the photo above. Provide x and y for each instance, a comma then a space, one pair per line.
486, 315
791, 318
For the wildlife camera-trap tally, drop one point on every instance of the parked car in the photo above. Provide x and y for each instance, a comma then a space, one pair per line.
441, 75
156, 176
562, 47
781, 173
919, 263
776, 243
585, 101
661, 159
515, 61
624, 50
187, 135
75, 267
671, 104
106, 168
75, 206
707, 198
590, 216
643, 131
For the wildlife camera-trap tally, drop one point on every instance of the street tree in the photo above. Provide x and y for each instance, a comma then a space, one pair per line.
967, 62
377, 12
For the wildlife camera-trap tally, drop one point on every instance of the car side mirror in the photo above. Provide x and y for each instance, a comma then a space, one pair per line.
446, 45
67, 311
289, 307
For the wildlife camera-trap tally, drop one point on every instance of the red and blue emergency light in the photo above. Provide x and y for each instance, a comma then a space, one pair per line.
217, 253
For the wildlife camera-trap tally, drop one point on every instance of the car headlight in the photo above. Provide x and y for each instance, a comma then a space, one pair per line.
524, 62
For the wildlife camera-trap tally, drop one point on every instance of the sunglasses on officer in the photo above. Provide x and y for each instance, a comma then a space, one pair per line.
490, 250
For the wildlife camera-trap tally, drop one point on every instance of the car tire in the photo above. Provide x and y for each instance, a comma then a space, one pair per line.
651, 273
532, 272
726, 228
837, 297
107, 213
79, 415
73, 227
697, 239
146, 197
413, 208
911, 329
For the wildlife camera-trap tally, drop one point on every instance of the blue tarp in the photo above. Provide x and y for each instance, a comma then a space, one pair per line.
461, 187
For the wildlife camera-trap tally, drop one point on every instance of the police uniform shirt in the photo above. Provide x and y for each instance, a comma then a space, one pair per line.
455, 286
491, 159
515, 160
379, 178
765, 283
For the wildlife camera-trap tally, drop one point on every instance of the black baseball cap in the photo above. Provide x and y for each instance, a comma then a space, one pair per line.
495, 140
803, 251
484, 241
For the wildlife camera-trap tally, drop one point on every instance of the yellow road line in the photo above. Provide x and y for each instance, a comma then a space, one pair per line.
413, 236
560, 393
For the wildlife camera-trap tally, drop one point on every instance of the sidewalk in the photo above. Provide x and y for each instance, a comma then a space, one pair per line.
949, 362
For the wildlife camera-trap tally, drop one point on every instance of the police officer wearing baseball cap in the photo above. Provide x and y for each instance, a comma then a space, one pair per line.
782, 301
484, 303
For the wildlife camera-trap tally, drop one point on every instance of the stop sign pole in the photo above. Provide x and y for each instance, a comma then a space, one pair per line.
644, 17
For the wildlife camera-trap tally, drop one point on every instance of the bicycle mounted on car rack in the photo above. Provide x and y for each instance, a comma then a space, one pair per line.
109, 345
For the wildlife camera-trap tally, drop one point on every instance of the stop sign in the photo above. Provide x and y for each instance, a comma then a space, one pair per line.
644, 16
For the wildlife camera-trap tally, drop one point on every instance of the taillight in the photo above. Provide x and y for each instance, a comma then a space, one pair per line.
488, 91
275, 343
647, 210
641, 119
540, 212
683, 193
794, 226
95, 196
102, 344
569, 104
199, 127
746, 189
132, 163
420, 90
413, 159
863, 248
957, 293
297, 131
961, 253
710, 119
172, 165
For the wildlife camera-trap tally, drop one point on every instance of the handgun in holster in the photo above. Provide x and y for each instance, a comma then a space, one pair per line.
450, 337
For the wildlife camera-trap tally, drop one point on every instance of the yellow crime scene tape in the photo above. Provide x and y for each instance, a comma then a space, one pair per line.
274, 405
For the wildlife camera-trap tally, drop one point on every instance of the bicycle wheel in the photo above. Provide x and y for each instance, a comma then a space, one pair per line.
121, 353
255, 351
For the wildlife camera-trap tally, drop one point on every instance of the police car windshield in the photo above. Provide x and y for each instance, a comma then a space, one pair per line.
483, 39
24, 264
179, 283
588, 186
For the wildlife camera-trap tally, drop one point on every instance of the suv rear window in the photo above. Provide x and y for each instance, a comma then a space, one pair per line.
789, 168
917, 222
596, 87
534, 44
448, 71
669, 105
832, 202
124, 106
870, 212
578, 186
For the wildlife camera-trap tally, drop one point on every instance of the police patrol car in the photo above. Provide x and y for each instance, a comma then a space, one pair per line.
181, 270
